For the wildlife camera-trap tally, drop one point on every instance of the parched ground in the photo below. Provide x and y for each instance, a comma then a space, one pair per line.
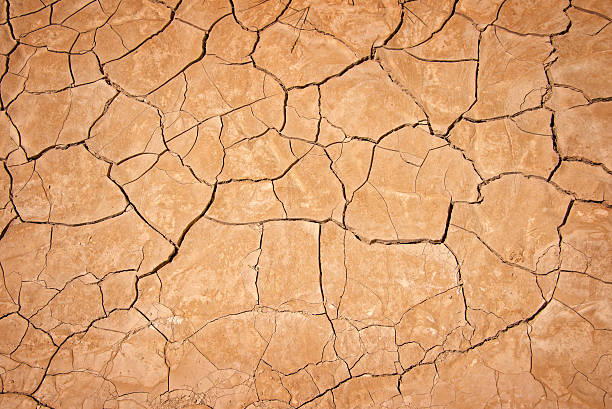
274, 204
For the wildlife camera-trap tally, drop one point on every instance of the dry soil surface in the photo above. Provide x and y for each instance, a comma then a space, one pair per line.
273, 204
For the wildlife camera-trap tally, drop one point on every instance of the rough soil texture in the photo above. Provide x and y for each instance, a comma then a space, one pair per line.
305, 204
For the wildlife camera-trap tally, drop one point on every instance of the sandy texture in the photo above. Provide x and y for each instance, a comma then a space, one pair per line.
317, 204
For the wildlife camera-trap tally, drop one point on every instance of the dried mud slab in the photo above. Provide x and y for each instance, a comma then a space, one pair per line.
282, 204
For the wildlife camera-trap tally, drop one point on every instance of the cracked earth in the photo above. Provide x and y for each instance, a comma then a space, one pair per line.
305, 204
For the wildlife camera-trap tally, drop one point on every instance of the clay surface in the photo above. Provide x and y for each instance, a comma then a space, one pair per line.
274, 204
